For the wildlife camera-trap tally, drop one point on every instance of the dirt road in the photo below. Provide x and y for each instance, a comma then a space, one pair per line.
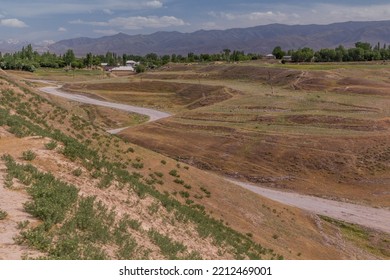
366, 216
152, 114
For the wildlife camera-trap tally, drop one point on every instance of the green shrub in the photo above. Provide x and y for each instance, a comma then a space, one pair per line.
179, 181
184, 194
29, 155
189, 201
36, 237
51, 145
3, 215
134, 224
77, 172
137, 165
106, 181
168, 247
174, 173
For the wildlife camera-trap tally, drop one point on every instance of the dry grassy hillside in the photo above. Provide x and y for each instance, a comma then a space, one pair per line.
71, 191
319, 132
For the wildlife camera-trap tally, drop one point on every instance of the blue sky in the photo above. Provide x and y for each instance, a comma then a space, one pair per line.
53, 20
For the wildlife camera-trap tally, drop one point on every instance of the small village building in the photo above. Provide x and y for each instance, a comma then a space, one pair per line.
270, 56
123, 70
132, 63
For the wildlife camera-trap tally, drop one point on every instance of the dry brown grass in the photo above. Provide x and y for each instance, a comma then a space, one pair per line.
326, 139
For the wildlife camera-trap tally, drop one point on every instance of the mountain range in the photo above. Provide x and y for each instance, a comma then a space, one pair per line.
258, 39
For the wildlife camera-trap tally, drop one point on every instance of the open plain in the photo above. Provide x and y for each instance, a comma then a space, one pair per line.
318, 130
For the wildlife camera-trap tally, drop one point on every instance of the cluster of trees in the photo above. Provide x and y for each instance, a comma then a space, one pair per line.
362, 51
27, 59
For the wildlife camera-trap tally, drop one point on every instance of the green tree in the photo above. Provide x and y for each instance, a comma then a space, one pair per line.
69, 57
88, 61
363, 45
278, 52
226, 53
302, 55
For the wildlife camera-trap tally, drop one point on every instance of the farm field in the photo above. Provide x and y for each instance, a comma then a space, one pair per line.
317, 132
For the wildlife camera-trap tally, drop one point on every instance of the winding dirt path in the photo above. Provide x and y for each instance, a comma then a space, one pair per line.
366, 216
153, 115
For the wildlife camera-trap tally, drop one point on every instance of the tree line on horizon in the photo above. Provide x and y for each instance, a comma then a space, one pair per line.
29, 60
362, 51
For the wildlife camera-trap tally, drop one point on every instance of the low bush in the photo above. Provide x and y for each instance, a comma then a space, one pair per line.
29, 155
3, 215
51, 145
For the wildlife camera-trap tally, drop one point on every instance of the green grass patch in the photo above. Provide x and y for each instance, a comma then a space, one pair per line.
168, 247
375, 243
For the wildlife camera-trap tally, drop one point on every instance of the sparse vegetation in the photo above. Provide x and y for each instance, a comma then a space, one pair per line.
169, 248
174, 173
77, 172
51, 145
29, 155
3, 215
178, 181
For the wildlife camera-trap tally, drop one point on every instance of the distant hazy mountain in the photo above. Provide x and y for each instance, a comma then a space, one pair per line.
11, 46
259, 39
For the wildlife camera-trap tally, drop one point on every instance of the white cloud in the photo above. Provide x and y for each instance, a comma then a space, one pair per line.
40, 7
312, 13
132, 23
154, 4
62, 29
13, 22
331, 13
252, 18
